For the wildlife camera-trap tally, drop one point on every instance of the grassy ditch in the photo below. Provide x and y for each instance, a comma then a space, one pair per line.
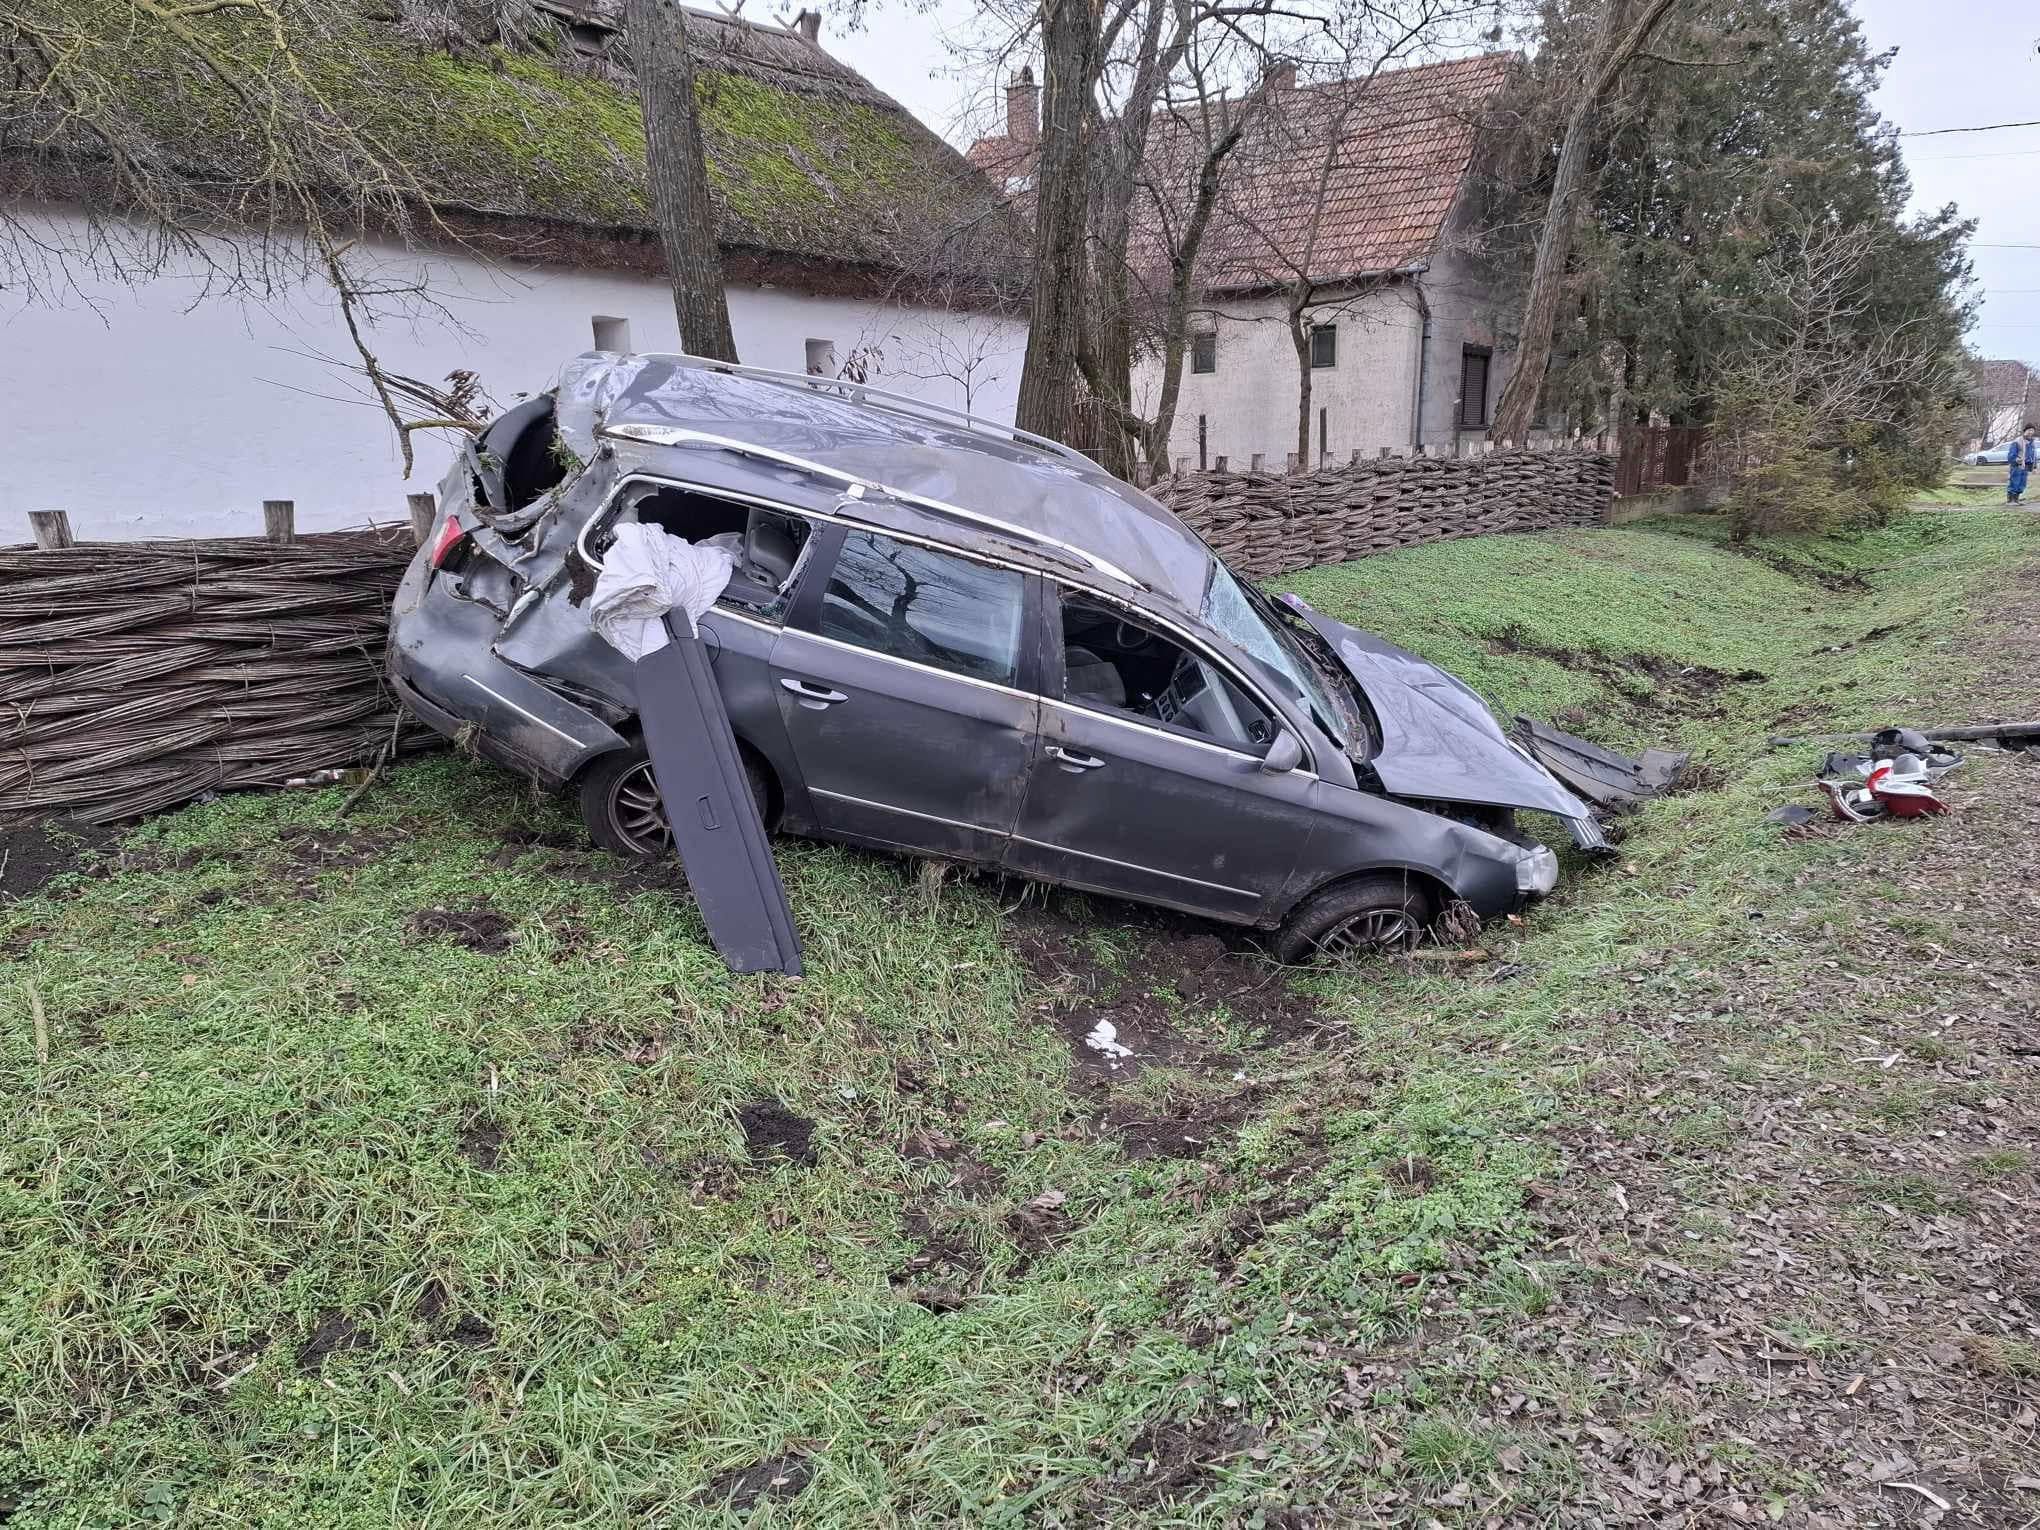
424, 1167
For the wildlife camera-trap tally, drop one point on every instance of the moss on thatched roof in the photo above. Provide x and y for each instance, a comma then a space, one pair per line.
807, 159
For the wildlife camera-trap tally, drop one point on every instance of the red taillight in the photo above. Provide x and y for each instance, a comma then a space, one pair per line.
451, 535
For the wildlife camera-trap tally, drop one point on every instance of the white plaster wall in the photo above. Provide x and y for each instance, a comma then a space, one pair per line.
154, 410
1249, 401
1465, 310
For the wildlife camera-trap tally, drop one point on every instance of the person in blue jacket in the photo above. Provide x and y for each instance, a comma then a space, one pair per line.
2023, 455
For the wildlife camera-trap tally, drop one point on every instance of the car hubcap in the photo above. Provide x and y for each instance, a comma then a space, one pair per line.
1374, 929
640, 819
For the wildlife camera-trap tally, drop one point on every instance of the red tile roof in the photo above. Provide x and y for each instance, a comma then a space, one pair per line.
1347, 178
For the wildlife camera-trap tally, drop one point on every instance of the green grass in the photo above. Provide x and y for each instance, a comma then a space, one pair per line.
516, 1186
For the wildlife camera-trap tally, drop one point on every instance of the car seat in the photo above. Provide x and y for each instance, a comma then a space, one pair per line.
769, 551
1087, 677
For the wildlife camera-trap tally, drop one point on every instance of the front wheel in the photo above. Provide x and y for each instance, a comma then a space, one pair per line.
1355, 919
621, 807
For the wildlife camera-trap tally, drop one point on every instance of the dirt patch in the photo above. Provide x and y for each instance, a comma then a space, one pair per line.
31, 854
481, 1142
431, 1301
1168, 1462
771, 1130
471, 1330
1037, 1228
478, 929
334, 1331
742, 1488
576, 862
311, 848
1180, 1128
944, 1268
1648, 682
1178, 970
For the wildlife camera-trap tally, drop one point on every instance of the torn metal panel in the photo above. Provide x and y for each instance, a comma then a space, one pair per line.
1438, 738
1616, 783
708, 804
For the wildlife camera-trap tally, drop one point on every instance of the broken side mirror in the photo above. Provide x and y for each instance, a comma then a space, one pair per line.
1284, 755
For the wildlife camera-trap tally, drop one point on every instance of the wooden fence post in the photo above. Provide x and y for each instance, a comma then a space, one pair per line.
276, 521
52, 529
1289, 463
1218, 463
424, 510
1255, 465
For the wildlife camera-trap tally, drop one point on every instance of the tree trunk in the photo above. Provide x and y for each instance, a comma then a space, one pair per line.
1518, 403
1049, 376
1299, 336
678, 173
1182, 289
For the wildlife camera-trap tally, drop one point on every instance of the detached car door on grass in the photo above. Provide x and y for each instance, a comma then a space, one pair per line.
1149, 782
900, 684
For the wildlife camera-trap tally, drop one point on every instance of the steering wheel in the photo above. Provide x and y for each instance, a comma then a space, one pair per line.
1130, 637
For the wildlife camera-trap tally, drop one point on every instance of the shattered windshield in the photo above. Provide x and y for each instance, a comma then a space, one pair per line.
1228, 609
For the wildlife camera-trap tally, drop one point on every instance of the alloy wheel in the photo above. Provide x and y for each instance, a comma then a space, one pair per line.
637, 813
1367, 932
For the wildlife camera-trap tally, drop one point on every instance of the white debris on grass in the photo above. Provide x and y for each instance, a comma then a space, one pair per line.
1104, 1038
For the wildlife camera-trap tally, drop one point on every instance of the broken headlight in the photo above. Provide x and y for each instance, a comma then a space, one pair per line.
1537, 871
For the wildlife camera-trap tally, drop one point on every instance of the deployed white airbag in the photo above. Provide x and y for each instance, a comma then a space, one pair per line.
647, 573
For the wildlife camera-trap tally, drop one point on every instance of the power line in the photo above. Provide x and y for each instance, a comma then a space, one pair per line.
1987, 127
1980, 244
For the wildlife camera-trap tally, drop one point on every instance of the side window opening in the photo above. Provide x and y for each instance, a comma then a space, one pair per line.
766, 544
914, 603
611, 333
1114, 664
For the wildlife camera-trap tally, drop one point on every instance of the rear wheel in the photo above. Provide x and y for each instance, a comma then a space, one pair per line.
1355, 919
620, 802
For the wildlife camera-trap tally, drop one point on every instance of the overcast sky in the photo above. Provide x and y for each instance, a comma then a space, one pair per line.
1960, 63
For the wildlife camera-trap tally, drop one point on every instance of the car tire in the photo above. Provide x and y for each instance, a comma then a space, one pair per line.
1355, 919
620, 801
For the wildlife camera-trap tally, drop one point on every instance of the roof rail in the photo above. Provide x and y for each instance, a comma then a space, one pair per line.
878, 398
674, 435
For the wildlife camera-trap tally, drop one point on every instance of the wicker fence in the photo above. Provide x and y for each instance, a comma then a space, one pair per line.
1265, 524
138, 675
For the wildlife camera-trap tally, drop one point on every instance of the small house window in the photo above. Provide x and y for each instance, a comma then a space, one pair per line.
821, 358
1204, 352
611, 333
1473, 381
1324, 345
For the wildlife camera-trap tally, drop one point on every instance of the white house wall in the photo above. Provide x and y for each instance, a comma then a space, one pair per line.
1248, 402
1464, 312
151, 410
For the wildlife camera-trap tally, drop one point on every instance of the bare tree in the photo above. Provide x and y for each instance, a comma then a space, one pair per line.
1282, 207
677, 166
1618, 43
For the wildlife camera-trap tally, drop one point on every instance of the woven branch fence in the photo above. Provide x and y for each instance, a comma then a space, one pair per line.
139, 675
1265, 523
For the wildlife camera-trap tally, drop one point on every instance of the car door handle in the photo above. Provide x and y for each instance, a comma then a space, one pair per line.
812, 696
1075, 764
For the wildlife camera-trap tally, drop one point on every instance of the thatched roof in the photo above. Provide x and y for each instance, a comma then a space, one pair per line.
537, 152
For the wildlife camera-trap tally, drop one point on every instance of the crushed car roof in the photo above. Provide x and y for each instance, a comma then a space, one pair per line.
1041, 491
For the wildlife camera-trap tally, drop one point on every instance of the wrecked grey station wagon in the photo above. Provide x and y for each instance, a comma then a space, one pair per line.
959, 640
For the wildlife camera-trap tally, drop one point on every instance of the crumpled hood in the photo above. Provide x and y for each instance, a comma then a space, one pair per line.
1438, 738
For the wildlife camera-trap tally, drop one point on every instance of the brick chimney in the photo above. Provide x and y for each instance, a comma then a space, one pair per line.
1023, 107
809, 25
